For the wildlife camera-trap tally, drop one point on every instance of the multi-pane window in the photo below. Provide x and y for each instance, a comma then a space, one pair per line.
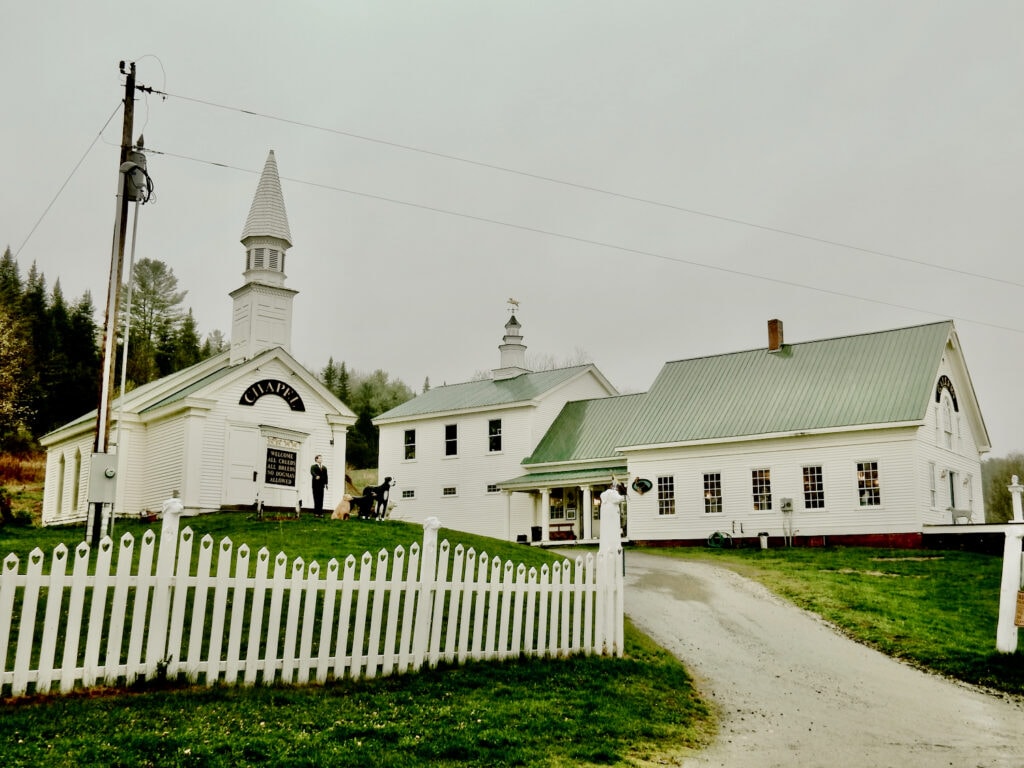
451, 439
492, 488
867, 484
494, 435
712, 492
410, 444
762, 487
408, 493
814, 488
947, 421
666, 495
449, 490
931, 481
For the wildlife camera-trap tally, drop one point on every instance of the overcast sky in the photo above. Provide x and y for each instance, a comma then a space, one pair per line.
652, 181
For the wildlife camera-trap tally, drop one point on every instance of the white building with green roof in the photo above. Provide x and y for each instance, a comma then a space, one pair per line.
237, 429
448, 448
868, 438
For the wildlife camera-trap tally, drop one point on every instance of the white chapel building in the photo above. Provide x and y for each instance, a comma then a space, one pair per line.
233, 431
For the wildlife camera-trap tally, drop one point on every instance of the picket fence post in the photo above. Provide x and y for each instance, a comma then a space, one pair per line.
424, 605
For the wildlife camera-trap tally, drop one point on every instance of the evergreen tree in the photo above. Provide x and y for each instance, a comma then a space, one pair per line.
36, 333
214, 344
426, 384
156, 315
343, 392
10, 282
14, 433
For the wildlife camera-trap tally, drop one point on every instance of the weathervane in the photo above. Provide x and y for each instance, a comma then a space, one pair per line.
513, 305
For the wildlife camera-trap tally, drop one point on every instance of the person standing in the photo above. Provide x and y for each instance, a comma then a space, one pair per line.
319, 474
611, 521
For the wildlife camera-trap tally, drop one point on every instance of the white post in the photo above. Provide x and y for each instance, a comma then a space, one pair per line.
609, 586
157, 645
1015, 489
424, 601
1009, 586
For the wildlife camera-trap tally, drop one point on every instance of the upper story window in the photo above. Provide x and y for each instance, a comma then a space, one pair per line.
947, 422
410, 444
761, 481
712, 492
451, 439
867, 484
494, 435
814, 488
666, 495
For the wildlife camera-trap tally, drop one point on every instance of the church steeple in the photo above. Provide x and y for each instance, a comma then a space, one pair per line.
262, 314
266, 235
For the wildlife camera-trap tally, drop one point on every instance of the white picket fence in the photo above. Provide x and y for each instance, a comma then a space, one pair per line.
247, 624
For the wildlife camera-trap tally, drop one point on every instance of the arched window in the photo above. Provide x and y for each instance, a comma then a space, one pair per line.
61, 468
76, 480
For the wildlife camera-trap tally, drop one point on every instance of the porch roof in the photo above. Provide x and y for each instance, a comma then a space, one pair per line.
580, 476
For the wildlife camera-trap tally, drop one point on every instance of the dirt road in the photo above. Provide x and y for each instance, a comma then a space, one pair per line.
793, 692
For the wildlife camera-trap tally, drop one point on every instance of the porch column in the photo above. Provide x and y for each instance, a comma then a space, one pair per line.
545, 514
587, 510
508, 516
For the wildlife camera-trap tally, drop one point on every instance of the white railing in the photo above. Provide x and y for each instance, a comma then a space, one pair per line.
255, 623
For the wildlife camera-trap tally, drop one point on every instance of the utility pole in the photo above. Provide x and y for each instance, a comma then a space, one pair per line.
110, 326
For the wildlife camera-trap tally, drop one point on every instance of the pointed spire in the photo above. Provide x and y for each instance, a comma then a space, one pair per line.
267, 216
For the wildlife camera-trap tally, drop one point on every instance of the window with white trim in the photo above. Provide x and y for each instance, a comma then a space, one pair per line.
814, 488
947, 421
932, 487
868, 488
761, 483
408, 493
492, 488
494, 435
410, 444
712, 492
449, 490
451, 439
666, 495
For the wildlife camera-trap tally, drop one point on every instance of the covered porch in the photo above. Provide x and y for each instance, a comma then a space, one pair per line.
566, 503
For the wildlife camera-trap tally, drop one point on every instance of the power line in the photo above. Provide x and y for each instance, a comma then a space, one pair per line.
68, 179
587, 241
598, 190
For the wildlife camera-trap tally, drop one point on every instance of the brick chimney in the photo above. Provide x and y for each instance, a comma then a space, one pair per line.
774, 335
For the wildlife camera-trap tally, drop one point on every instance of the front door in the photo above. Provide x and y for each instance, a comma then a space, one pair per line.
243, 465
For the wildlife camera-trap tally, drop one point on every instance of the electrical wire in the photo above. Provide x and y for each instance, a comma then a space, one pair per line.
590, 241
598, 190
68, 179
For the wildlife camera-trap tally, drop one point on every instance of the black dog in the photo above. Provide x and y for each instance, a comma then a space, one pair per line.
374, 501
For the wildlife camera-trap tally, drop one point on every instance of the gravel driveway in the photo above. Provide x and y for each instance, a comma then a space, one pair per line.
791, 691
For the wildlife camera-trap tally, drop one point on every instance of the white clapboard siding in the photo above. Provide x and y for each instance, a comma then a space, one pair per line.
180, 614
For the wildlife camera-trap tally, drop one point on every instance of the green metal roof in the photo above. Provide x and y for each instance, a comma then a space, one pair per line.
564, 478
587, 429
482, 394
872, 378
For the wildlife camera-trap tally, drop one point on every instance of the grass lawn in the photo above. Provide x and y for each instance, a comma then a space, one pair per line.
935, 609
578, 711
